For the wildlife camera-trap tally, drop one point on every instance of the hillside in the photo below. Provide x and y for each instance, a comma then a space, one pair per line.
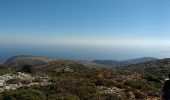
78, 81
19, 61
115, 63
62, 65
92, 64
160, 67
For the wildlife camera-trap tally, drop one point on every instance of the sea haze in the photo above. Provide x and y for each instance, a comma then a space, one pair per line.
78, 52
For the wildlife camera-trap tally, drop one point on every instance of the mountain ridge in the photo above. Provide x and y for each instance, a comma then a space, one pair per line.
115, 63
21, 60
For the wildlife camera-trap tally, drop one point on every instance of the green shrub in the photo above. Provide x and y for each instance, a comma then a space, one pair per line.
120, 85
63, 96
110, 97
6, 70
103, 82
135, 84
24, 94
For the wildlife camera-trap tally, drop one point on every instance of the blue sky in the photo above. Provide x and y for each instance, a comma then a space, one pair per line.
85, 29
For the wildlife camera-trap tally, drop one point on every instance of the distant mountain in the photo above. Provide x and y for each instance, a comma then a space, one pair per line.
112, 63
92, 64
19, 61
1, 62
115, 63
139, 60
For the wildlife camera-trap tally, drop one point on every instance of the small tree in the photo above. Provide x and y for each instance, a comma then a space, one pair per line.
28, 69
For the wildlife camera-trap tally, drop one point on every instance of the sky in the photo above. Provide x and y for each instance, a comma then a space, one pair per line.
85, 29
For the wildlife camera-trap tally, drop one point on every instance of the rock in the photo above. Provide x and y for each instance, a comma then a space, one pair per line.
2, 82
131, 94
7, 87
1, 89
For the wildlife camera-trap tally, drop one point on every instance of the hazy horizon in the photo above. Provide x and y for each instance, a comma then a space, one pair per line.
85, 30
